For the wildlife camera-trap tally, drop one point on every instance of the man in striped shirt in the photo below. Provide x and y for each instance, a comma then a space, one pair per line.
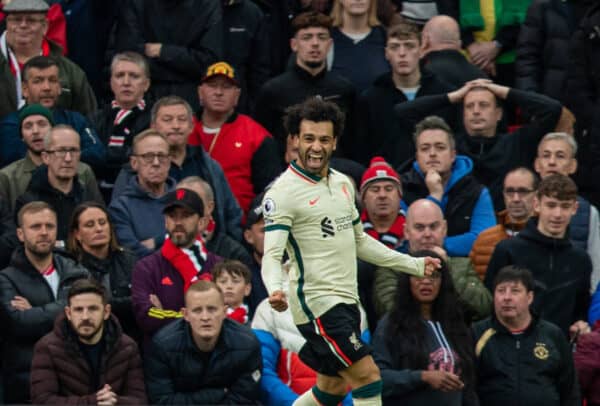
309, 212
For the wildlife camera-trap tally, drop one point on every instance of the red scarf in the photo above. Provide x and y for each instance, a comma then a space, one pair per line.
239, 314
393, 237
189, 264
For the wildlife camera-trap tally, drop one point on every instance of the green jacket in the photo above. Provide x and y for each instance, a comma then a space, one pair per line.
77, 93
15, 177
474, 296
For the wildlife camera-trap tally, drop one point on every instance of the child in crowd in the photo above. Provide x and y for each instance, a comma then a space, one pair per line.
234, 279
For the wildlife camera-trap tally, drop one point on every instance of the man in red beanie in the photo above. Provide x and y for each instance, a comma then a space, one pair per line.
380, 193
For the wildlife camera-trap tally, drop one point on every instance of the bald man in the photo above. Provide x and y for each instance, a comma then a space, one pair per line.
440, 52
425, 229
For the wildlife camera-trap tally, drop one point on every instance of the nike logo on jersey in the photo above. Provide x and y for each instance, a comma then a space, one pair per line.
314, 201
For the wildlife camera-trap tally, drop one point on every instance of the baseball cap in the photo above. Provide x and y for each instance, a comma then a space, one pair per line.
221, 69
184, 198
23, 6
378, 169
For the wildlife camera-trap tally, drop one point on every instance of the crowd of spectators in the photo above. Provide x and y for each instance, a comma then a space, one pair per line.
137, 139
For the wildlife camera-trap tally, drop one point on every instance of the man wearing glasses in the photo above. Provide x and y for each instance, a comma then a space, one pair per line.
518, 191
137, 212
26, 26
56, 182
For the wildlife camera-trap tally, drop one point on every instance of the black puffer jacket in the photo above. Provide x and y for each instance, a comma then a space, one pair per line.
21, 329
560, 270
177, 373
543, 46
530, 369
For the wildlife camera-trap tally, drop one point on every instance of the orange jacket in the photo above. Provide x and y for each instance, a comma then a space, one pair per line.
484, 245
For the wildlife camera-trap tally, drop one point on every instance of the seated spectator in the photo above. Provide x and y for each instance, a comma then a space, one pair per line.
34, 122
144, 195
216, 240
518, 354
382, 218
26, 26
87, 358
41, 85
442, 55
561, 270
519, 191
124, 117
447, 179
244, 149
172, 117
379, 132
425, 229
176, 56
160, 280
357, 53
247, 47
308, 77
493, 152
422, 346
285, 377
33, 291
557, 154
93, 243
587, 366
204, 358
234, 280
56, 182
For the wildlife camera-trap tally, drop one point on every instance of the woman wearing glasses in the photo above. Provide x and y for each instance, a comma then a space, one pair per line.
423, 346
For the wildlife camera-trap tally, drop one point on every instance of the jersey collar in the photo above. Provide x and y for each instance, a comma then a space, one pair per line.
311, 177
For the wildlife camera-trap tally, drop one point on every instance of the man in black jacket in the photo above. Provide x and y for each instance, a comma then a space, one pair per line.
204, 358
521, 358
33, 291
379, 132
180, 38
247, 48
308, 77
493, 153
56, 182
561, 271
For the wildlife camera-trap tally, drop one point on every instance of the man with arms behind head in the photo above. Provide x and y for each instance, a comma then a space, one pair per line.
87, 335
519, 191
519, 355
561, 270
33, 291
204, 357
309, 212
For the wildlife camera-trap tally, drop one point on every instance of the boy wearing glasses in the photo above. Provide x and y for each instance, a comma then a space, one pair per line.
56, 182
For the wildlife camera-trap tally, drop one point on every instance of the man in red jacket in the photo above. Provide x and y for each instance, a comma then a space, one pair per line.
244, 149
87, 359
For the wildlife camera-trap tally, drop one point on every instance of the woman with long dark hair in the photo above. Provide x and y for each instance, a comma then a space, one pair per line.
423, 347
93, 243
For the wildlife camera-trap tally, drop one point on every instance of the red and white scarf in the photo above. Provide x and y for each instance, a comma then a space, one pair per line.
190, 265
120, 129
393, 237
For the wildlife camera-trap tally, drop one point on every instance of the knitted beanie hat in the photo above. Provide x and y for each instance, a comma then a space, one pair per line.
378, 169
32, 110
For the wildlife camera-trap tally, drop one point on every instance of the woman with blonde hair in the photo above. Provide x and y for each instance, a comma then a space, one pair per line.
358, 42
